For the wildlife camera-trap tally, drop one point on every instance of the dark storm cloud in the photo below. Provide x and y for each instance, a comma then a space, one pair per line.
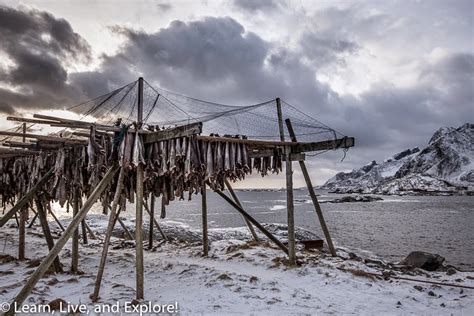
164, 6
217, 59
212, 58
39, 47
251, 5
324, 51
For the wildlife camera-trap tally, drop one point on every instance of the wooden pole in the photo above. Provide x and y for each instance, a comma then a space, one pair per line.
75, 235
139, 205
309, 184
53, 253
108, 235
237, 201
290, 207
23, 218
21, 233
252, 220
155, 222
152, 217
84, 232
26, 198
47, 233
205, 237
280, 120
289, 189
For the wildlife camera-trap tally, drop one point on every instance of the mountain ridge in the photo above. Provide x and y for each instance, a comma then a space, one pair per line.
444, 166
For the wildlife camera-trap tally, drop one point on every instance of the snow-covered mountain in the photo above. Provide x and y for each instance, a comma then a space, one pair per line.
445, 165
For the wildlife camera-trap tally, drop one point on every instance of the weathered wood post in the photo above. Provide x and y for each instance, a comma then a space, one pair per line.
23, 219
53, 253
21, 233
139, 204
290, 208
309, 184
47, 233
75, 235
205, 237
152, 217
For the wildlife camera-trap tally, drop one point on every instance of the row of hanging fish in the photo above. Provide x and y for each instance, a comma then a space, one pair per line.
172, 167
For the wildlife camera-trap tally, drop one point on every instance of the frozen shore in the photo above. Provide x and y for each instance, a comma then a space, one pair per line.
238, 277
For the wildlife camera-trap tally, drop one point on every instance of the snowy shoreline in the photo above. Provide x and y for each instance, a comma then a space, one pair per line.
238, 277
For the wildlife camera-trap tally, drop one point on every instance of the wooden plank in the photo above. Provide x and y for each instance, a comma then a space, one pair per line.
174, 132
290, 208
26, 198
309, 184
253, 221
44, 137
205, 237
28, 120
62, 122
341, 143
298, 147
53, 253
47, 233
237, 201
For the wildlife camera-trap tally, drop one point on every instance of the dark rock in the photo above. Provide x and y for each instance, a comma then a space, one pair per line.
357, 198
58, 304
451, 271
423, 260
418, 288
431, 293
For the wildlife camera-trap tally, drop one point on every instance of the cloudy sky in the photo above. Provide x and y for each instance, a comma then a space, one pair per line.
386, 72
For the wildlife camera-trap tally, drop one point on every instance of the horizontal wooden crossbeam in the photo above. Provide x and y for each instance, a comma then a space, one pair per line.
174, 132
296, 147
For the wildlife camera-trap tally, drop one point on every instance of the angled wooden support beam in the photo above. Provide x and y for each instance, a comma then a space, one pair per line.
309, 184
252, 220
55, 218
53, 253
32, 222
237, 201
47, 233
108, 235
154, 221
26, 198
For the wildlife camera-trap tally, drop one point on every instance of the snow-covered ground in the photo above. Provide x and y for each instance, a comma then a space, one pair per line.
238, 277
